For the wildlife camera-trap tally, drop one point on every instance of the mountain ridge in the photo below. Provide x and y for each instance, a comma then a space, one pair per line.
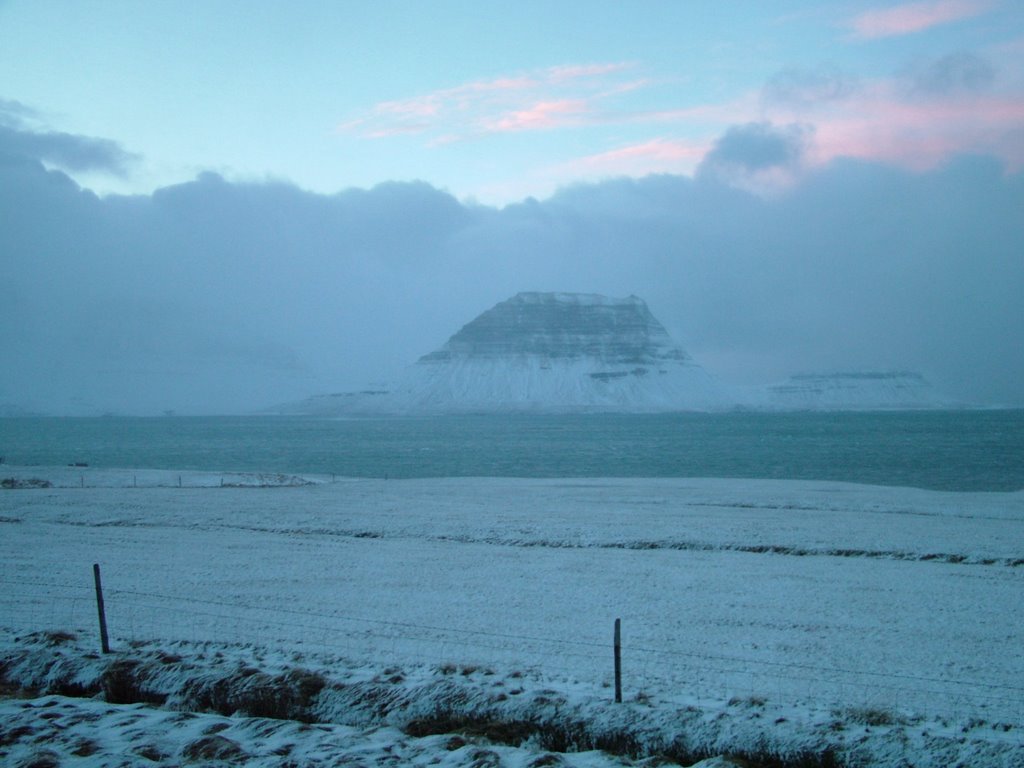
573, 352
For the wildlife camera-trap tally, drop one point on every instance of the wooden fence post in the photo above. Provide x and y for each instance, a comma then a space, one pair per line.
618, 661
104, 642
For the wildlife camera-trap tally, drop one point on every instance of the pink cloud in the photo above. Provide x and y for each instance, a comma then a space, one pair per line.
397, 130
410, 107
659, 155
572, 72
914, 17
879, 123
540, 116
881, 120
553, 97
501, 84
920, 134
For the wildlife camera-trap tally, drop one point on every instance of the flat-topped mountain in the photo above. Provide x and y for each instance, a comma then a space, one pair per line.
558, 326
553, 352
886, 390
560, 351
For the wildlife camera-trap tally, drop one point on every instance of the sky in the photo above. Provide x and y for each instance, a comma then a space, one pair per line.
219, 206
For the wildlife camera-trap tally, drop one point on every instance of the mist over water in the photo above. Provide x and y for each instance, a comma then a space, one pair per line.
949, 450
219, 297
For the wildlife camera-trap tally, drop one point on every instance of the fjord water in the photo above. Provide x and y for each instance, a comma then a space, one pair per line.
948, 450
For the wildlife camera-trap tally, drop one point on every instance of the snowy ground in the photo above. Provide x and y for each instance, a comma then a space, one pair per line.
788, 616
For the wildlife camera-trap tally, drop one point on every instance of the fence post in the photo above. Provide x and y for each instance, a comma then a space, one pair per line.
104, 642
618, 661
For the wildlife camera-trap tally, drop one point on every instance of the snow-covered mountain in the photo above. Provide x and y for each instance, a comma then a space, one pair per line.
548, 352
890, 390
563, 352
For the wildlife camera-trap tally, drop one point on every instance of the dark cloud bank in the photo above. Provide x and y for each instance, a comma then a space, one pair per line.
213, 296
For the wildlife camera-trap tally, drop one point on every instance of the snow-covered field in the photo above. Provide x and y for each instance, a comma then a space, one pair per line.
759, 617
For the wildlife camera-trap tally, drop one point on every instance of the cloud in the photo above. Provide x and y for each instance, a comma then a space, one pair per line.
755, 156
910, 18
806, 87
919, 118
659, 155
921, 133
543, 99
14, 114
576, 71
221, 296
756, 147
955, 73
543, 115
64, 150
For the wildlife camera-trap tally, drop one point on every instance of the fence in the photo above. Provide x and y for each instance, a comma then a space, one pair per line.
675, 675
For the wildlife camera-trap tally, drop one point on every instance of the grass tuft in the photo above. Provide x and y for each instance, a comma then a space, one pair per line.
12, 483
209, 748
150, 752
122, 684
85, 748
871, 716
43, 759
290, 696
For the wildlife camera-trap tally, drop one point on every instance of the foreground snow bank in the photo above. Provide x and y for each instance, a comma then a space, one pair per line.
465, 715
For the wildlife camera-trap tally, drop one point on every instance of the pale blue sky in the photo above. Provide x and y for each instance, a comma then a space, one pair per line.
300, 90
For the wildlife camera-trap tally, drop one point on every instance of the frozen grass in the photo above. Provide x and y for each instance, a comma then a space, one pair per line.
417, 706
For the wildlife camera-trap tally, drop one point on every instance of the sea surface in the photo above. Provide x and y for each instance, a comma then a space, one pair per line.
948, 450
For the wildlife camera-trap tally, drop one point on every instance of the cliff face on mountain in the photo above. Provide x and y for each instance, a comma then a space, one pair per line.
558, 326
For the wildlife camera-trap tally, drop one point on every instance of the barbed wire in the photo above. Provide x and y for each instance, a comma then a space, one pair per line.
36, 583
242, 612
382, 622
819, 668
506, 636
589, 644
